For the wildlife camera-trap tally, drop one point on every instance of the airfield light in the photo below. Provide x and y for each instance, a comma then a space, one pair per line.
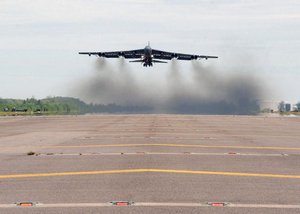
121, 203
25, 204
217, 204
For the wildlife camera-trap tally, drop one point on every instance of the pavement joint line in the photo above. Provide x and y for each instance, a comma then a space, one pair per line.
155, 204
173, 145
159, 153
123, 171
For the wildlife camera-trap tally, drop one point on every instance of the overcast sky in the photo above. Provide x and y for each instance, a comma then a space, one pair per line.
39, 39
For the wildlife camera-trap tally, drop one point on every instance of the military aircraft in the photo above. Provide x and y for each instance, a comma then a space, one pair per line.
148, 56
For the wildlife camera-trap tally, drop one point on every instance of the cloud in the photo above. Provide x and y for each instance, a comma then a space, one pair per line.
40, 29
81, 11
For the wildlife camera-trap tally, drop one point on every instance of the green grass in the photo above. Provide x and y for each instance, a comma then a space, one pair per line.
2, 113
290, 113
35, 113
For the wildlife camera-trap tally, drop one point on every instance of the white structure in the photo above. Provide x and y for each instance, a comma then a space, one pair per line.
269, 104
277, 105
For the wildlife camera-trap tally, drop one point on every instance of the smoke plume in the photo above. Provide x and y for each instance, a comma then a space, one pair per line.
198, 90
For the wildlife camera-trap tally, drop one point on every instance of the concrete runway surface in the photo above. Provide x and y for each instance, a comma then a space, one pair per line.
149, 164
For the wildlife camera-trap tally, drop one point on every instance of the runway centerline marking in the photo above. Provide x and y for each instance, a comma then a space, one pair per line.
174, 145
125, 171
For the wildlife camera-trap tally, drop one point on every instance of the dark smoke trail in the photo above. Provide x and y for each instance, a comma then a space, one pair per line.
235, 93
98, 84
199, 90
109, 85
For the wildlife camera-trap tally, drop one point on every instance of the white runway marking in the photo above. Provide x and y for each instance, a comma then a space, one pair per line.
162, 153
152, 204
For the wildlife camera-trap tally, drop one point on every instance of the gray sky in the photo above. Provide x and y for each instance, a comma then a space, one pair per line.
39, 39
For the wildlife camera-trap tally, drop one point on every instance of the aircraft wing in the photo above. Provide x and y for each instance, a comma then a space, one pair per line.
132, 54
157, 54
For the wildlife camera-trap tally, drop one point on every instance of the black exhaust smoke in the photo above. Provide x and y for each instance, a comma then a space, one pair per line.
198, 90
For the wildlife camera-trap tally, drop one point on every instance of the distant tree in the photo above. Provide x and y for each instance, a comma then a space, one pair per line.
281, 106
62, 105
298, 106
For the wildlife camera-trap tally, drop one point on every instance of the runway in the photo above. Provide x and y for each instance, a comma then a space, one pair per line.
149, 163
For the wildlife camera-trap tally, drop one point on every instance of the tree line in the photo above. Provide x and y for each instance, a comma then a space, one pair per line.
64, 105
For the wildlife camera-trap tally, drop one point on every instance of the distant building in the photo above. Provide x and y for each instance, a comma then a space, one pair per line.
287, 107
273, 106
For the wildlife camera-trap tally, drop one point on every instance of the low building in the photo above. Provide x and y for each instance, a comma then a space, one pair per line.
287, 107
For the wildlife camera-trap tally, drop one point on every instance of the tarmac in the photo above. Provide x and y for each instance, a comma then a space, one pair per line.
149, 163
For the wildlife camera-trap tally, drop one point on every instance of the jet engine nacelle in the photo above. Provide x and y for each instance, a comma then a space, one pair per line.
194, 57
121, 53
146, 65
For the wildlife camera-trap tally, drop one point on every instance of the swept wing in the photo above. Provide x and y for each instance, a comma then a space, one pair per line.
158, 54
132, 54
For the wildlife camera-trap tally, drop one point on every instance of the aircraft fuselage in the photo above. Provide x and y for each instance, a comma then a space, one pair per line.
147, 56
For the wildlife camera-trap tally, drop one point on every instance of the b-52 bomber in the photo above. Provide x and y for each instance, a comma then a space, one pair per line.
148, 56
